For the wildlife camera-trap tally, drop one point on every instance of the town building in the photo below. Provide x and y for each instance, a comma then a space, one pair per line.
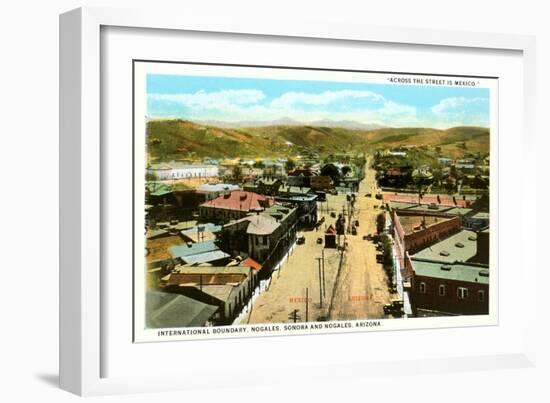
199, 253
264, 236
414, 231
451, 275
228, 287
268, 186
178, 170
305, 203
213, 190
158, 243
233, 206
300, 177
449, 288
169, 310
200, 232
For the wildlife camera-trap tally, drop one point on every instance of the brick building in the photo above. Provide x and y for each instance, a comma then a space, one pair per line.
451, 276
449, 288
413, 231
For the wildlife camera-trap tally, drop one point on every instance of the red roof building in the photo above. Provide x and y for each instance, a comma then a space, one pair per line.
234, 205
252, 264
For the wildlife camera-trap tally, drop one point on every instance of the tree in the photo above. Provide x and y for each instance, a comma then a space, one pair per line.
150, 176
332, 171
388, 258
237, 172
380, 222
290, 164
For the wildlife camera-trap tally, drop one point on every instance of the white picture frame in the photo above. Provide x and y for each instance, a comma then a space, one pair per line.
82, 344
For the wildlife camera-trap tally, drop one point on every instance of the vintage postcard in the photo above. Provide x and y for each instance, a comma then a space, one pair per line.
276, 200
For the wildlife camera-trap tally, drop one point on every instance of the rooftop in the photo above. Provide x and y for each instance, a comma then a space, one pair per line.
217, 187
294, 198
158, 188
190, 249
268, 181
481, 215
205, 257
242, 269
252, 263
397, 205
202, 232
165, 310
294, 189
158, 248
471, 273
240, 200
444, 200
459, 247
260, 224
412, 223
191, 279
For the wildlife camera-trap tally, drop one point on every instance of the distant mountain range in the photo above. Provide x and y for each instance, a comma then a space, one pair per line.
180, 139
348, 124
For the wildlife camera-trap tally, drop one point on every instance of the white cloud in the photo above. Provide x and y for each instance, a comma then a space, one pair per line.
250, 104
213, 99
291, 99
458, 104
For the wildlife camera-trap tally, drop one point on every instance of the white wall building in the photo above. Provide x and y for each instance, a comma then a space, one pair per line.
175, 170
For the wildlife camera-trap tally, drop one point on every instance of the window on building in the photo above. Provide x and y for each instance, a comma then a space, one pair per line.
481, 295
422, 288
462, 293
441, 290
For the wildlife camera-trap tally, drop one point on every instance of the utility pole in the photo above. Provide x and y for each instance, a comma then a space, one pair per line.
324, 284
307, 304
294, 315
320, 283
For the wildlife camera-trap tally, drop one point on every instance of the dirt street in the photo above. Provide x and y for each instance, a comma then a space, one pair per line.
359, 291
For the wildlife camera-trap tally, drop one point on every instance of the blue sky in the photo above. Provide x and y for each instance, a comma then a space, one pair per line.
249, 99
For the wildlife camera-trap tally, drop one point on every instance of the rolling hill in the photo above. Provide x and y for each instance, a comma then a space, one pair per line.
178, 139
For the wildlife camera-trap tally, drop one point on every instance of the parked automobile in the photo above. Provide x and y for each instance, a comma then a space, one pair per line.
395, 307
353, 230
319, 241
333, 214
368, 195
356, 223
378, 196
379, 258
301, 240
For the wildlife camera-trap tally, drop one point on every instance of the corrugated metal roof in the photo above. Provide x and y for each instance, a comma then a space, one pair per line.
193, 249
166, 310
205, 257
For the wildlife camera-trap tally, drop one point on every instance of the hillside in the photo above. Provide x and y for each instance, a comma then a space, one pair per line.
178, 139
